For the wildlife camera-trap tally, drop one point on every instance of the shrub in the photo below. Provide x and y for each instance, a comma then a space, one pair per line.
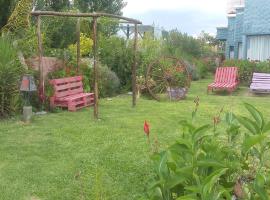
116, 53
86, 45
179, 44
246, 68
108, 82
150, 49
10, 75
205, 164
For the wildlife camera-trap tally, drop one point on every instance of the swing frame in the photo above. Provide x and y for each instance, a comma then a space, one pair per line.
95, 16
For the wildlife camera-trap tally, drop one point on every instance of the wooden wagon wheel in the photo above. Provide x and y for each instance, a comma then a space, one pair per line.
159, 78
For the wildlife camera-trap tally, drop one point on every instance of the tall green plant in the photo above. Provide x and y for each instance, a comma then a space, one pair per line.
202, 165
10, 74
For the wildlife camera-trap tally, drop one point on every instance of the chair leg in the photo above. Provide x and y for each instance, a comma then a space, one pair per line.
71, 106
52, 104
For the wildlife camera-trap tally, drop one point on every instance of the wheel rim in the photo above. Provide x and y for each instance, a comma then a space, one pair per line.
158, 80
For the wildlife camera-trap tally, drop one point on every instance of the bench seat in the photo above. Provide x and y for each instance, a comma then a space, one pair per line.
260, 83
68, 92
226, 78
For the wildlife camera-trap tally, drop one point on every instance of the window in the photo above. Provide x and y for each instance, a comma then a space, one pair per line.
258, 48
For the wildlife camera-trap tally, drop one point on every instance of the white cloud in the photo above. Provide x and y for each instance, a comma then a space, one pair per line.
142, 6
189, 16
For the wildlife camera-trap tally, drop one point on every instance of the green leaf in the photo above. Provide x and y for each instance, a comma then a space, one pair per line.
230, 118
211, 180
187, 171
162, 166
187, 197
257, 115
199, 133
223, 192
175, 180
183, 144
266, 127
210, 163
259, 187
249, 125
251, 141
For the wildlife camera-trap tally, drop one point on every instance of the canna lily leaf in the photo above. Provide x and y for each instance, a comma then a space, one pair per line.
259, 187
257, 115
199, 133
249, 125
266, 128
175, 180
187, 197
211, 180
210, 163
251, 141
230, 118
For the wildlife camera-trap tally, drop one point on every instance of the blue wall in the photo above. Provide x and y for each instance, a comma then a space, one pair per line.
254, 19
257, 17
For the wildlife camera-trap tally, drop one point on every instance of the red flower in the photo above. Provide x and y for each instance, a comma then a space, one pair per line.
146, 128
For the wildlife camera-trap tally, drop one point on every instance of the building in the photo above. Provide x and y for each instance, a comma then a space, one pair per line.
142, 30
247, 35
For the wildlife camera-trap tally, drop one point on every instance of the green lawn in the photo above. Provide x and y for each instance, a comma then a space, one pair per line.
70, 156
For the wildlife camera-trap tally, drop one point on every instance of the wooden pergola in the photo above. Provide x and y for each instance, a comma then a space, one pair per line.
95, 17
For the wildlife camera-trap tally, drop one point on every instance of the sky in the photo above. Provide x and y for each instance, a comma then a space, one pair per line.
188, 16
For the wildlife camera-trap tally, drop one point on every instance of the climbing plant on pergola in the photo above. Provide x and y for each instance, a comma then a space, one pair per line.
95, 17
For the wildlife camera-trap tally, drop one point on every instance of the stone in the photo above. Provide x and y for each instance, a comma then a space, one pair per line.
27, 114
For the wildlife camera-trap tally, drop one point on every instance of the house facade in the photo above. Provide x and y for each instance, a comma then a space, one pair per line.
247, 35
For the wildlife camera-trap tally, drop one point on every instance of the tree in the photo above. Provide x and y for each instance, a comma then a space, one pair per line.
55, 5
208, 39
108, 6
20, 17
6, 8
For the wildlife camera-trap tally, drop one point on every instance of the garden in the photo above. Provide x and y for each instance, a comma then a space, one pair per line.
168, 139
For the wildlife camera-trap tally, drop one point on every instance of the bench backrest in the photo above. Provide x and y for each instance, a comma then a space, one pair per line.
67, 86
261, 78
226, 75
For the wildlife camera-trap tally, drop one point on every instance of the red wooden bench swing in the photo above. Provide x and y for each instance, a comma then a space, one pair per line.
68, 92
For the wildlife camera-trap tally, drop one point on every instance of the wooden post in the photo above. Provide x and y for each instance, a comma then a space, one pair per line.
78, 32
134, 66
40, 66
95, 67
128, 31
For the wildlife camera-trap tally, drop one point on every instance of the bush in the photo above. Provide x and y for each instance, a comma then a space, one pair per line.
116, 53
247, 68
179, 44
205, 164
108, 82
10, 75
150, 49
86, 45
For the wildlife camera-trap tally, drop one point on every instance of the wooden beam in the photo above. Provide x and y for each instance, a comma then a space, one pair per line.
67, 14
95, 67
40, 66
78, 32
134, 67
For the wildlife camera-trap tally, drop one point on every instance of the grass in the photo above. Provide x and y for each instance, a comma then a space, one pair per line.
70, 156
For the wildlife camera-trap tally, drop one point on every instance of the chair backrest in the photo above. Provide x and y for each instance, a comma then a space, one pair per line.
67, 86
261, 78
226, 75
